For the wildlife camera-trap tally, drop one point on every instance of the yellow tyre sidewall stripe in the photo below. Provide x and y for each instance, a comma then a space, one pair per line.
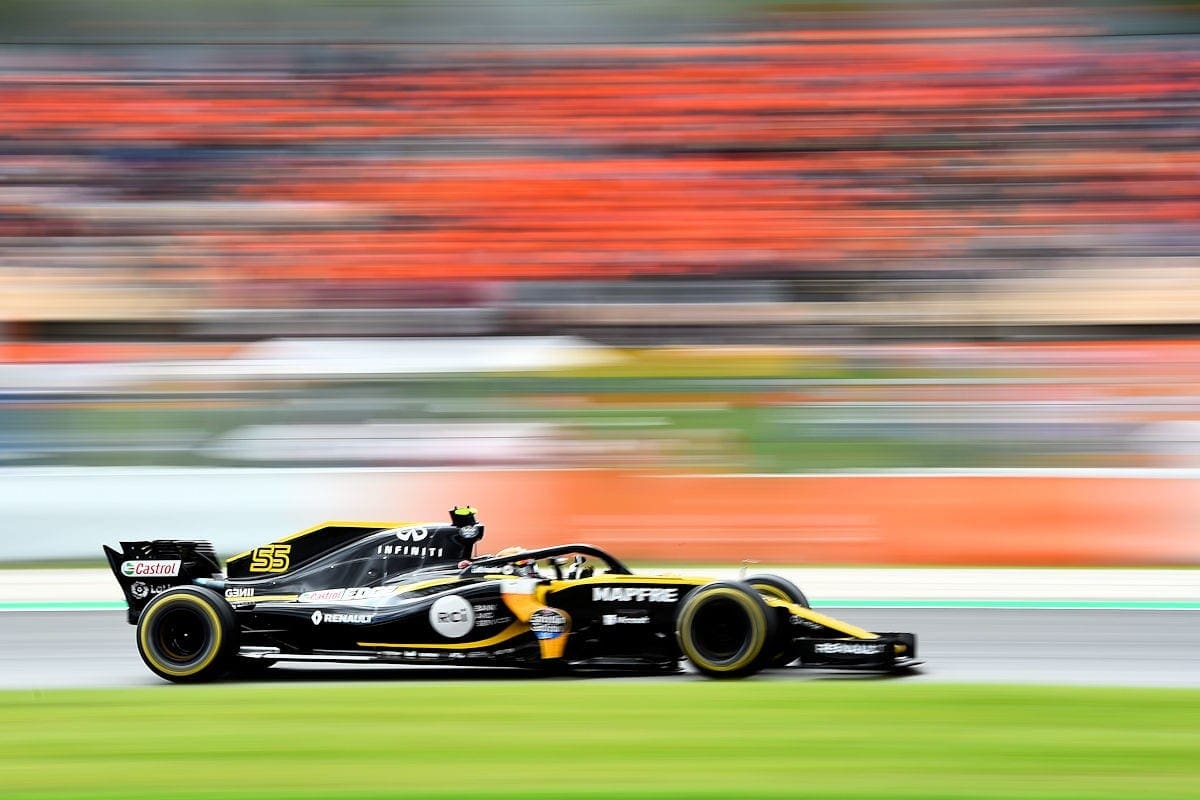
771, 591
218, 634
758, 624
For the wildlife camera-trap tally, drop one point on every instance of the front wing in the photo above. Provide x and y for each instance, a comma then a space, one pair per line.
888, 652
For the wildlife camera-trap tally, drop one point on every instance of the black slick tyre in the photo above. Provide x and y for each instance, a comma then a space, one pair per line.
726, 629
187, 635
775, 586
783, 589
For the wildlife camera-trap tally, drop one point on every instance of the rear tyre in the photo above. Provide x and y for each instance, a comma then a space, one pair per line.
782, 588
187, 635
726, 630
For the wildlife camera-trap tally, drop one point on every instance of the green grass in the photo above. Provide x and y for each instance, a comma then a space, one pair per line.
853, 739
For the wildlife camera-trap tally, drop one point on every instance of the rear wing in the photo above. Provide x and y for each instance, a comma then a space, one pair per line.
147, 569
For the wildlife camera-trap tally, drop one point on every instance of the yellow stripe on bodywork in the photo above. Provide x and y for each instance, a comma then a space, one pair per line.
333, 524
400, 590
511, 632
822, 619
288, 598
405, 588
267, 598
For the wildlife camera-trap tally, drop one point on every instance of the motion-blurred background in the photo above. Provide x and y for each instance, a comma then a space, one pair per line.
863, 282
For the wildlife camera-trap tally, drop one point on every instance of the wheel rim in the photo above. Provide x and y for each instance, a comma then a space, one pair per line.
722, 630
181, 635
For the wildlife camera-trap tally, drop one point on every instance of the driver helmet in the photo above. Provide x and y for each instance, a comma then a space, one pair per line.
526, 567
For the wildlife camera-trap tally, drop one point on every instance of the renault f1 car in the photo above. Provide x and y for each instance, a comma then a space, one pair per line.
383, 593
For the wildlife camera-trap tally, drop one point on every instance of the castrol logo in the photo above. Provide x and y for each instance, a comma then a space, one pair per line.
150, 569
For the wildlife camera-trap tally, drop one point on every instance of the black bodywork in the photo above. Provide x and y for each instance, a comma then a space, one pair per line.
360, 592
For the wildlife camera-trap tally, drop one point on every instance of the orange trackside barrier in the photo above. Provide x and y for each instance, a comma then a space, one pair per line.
953, 519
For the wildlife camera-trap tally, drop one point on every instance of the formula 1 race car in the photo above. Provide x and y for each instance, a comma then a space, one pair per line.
359, 592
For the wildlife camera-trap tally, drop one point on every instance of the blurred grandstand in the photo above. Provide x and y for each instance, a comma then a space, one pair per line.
807, 203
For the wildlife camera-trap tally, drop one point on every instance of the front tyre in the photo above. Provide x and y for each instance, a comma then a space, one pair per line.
782, 589
726, 630
775, 586
187, 635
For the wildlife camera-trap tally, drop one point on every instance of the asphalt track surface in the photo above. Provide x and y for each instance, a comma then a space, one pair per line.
48, 649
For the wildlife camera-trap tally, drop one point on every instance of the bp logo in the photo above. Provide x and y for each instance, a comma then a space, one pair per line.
452, 616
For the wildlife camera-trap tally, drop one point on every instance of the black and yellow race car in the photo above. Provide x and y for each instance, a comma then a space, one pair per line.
359, 592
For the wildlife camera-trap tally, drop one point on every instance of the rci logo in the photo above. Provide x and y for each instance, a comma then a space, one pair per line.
452, 616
